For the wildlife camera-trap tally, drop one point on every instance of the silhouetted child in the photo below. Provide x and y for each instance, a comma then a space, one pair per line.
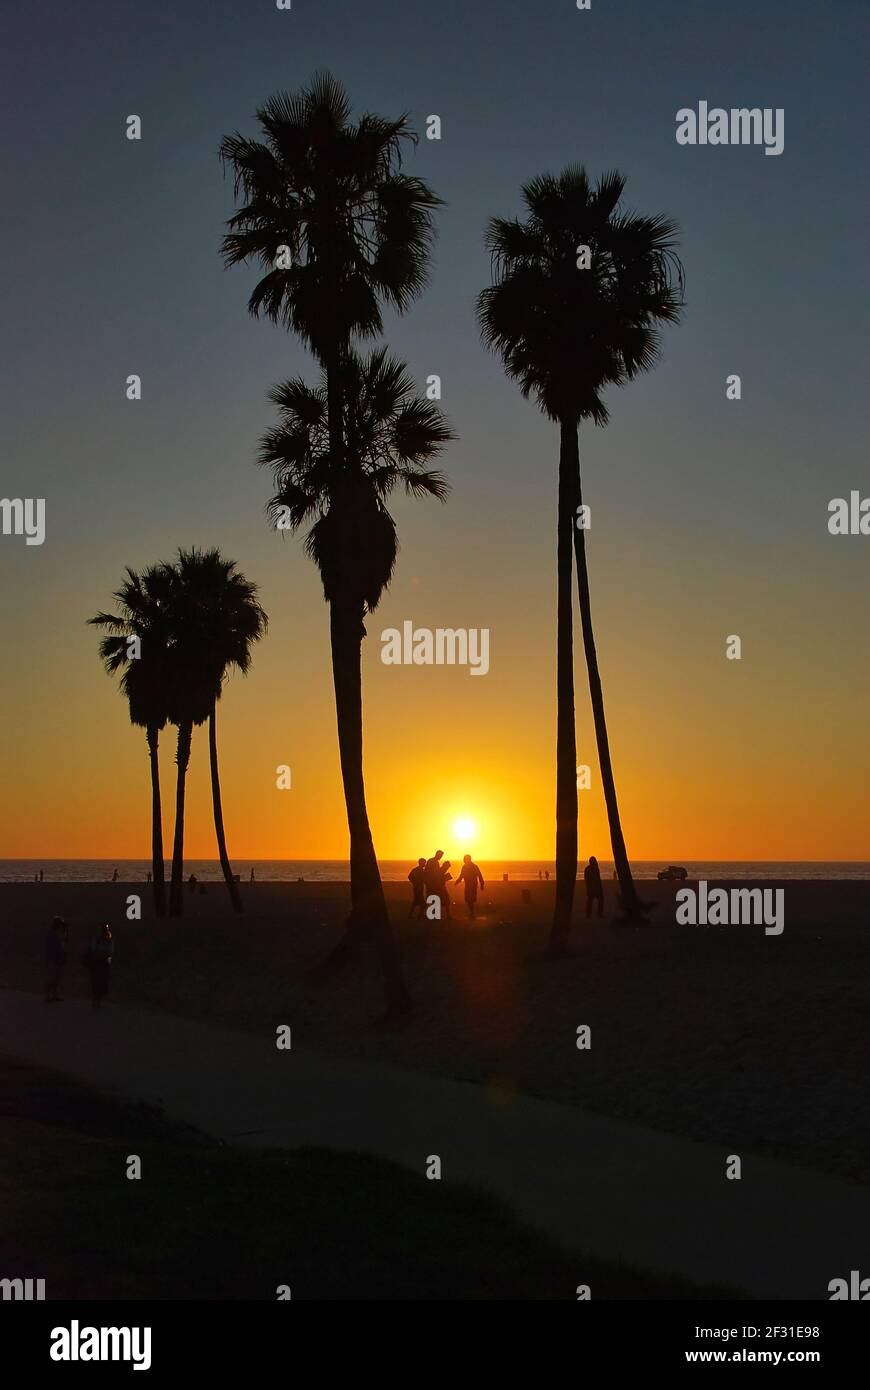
472, 878
417, 880
446, 877
98, 959
594, 888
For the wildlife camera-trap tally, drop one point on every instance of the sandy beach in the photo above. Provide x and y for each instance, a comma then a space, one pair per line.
720, 1034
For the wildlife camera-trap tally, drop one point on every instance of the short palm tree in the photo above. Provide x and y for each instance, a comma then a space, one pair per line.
136, 644
214, 618
390, 434
567, 326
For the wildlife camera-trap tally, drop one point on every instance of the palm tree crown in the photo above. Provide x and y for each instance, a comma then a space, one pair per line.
391, 433
332, 192
564, 332
215, 617
143, 604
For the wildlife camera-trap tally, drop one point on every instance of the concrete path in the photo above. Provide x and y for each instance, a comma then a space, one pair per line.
614, 1189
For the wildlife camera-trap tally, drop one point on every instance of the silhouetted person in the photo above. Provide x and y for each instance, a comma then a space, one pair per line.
149, 876
41, 876
540, 873
472, 878
432, 879
56, 938
98, 959
446, 877
191, 883
594, 888
115, 876
417, 880
252, 875
547, 875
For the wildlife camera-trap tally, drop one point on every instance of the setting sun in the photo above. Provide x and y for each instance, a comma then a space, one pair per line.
464, 829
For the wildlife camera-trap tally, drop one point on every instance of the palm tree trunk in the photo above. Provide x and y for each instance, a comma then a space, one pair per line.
157, 873
235, 895
182, 758
630, 902
369, 919
566, 742
335, 404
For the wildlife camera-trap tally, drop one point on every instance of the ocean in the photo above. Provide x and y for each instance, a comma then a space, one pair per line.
396, 870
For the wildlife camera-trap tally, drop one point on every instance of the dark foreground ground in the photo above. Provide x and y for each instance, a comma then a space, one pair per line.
210, 1222
721, 1034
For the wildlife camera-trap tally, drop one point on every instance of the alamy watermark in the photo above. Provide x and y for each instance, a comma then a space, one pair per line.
22, 1290
445, 646
741, 125
742, 907
24, 516
76, 1343
849, 518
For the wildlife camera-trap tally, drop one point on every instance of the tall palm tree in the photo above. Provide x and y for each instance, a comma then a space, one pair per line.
567, 326
339, 229
214, 618
389, 435
142, 602
356, 229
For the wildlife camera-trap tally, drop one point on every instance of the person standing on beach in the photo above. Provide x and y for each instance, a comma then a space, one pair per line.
472, 878
98, 960
416, 878
432, 878
115, 876
56, 938
252, 875
594, 887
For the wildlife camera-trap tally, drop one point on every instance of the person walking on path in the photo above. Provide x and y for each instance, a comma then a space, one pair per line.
472, 879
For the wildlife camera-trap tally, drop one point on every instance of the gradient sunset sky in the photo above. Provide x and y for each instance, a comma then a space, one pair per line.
708, 517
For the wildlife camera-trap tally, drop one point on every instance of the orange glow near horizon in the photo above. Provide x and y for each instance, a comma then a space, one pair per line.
761, 759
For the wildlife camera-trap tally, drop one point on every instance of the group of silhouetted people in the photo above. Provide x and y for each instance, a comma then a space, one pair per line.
96, 958
429, 879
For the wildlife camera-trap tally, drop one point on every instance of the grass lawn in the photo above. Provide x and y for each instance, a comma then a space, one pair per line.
211, 1222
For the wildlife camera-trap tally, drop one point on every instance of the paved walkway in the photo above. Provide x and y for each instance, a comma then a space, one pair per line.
615, 1189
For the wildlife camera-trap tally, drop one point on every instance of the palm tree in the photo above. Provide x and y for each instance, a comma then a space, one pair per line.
136, 644
339, 230
567, 325
389, 435
330, 195
214, 618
